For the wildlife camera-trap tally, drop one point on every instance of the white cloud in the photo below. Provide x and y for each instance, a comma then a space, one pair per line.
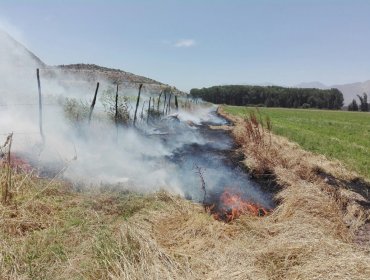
184, 43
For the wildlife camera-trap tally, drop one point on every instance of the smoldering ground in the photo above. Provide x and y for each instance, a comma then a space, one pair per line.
156, 153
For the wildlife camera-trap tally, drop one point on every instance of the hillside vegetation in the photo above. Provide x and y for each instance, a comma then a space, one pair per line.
335, 134
271, 96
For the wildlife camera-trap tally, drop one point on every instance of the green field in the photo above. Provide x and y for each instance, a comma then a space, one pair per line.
337, 134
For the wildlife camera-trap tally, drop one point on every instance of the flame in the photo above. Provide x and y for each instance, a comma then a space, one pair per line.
232, 205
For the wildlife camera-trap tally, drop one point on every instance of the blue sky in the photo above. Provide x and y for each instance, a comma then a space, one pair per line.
201, 43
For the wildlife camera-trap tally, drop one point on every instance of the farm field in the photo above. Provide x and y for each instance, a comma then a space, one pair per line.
338, 135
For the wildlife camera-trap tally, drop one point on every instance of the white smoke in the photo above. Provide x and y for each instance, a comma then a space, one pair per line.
143, 159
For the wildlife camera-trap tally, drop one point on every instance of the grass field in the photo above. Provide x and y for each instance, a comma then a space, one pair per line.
336, 134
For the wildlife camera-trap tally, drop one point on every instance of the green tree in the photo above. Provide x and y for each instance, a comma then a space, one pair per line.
364, 106
271, 96
353, 106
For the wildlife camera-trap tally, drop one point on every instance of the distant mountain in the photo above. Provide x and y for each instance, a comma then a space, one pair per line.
15, 57
312, 85
266, 84
349, 91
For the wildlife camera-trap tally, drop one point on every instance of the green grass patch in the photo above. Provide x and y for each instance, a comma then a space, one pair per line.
338, 135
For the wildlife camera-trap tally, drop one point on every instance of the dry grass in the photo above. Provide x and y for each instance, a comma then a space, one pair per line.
67, 235
61, 234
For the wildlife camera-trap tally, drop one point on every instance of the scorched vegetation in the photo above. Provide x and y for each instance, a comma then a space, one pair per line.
49, 230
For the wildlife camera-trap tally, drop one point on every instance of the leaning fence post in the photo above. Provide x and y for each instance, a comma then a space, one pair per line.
137, 102
93, 102
40, 104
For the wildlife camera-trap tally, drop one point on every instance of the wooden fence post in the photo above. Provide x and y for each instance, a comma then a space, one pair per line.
116, 115
165, 102
93, 102
8, 177
137, 102
147, 118
176, 103
159, 100
40, 105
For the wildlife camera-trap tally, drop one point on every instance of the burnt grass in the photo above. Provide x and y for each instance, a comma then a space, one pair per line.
223, 153
357, 185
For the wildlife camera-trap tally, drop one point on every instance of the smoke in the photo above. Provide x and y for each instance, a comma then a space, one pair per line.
154, 155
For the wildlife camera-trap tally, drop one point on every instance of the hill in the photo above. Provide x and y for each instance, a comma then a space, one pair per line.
93, 73
108, 73
15, 57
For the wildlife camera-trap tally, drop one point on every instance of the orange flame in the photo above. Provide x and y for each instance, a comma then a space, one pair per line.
232, 205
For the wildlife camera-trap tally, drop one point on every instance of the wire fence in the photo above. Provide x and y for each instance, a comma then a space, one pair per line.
39, 105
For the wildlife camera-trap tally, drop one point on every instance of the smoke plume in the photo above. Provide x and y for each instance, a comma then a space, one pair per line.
156, 153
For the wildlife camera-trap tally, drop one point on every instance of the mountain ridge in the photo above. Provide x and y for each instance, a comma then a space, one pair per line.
350, 90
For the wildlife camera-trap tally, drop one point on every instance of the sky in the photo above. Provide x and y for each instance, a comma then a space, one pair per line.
200, 43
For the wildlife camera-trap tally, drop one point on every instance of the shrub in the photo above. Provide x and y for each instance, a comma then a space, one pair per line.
75, 111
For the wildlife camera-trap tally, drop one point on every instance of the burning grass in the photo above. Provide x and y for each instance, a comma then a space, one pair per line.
50, 231
231, 204
318, 216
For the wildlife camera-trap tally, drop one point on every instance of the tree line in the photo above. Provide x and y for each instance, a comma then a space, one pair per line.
271, 96
363, 107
